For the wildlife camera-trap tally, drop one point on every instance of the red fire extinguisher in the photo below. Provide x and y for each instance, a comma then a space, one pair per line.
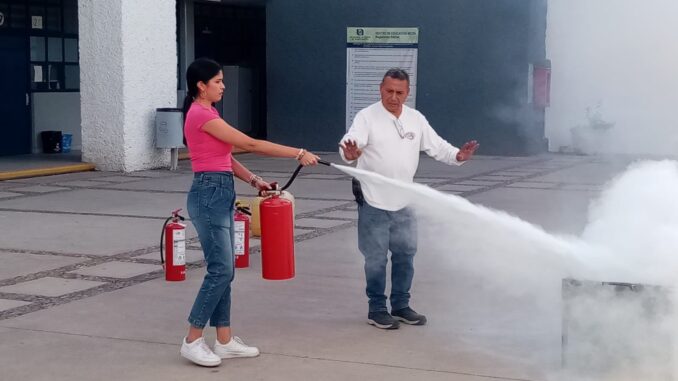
241, 234
173, 237
277, 238
277, 232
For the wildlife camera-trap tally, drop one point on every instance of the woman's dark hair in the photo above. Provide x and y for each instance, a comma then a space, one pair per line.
200, 70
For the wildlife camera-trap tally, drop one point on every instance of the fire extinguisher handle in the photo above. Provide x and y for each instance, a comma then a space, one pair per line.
274, 188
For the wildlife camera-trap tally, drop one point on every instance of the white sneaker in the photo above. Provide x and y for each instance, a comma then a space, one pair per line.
199, 353
234, 348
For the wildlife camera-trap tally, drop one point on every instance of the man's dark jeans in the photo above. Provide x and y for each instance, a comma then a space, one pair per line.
378, 232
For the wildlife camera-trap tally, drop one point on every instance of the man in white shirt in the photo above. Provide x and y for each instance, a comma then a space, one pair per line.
386, 138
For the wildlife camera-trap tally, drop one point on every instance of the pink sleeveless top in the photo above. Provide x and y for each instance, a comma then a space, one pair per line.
208, 154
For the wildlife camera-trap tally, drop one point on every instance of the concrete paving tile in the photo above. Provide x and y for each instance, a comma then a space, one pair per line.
332, 255
529, 184
102, 201
9, 194
192, 256
127, 203
18, 264
457, 192
589, 173
353, 214
8, 184
583, 187
318, 223
79, 234
163, 321
478, 182
80, 184
555, 210
176, 183
39, 189
305, 206
425, 180
302, 231
7, 304
64, 177
431, 168
49, 286
152, 173
459, 187
518, 171
117, 269
143, 361
496, 178
117, 179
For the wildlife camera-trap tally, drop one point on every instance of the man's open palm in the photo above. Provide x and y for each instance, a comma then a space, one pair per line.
351, 150
467, 150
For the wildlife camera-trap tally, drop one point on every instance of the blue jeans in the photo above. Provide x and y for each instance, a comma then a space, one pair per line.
378, 232
211, 205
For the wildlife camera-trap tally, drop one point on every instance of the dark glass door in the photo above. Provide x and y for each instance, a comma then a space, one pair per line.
15, 126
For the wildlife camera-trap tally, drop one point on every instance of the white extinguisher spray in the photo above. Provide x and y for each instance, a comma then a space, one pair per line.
173, 237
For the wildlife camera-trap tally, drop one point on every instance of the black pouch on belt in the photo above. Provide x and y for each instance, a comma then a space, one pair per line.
357, 191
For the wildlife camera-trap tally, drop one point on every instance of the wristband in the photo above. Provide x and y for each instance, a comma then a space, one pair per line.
301, 154
253, 180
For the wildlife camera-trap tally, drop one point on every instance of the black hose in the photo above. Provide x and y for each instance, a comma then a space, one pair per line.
296, 172
244, 210
162, 240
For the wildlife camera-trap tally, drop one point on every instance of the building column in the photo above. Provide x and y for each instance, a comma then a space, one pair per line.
128, 68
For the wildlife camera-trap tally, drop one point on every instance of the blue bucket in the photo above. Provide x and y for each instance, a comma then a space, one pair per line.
66, 140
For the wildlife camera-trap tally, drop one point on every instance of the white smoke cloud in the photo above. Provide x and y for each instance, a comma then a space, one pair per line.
612, 57
614, 331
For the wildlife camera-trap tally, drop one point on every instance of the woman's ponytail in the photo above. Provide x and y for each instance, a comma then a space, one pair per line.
200, 70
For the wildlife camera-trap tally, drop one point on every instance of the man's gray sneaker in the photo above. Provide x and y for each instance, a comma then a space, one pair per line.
382, 319
409, 316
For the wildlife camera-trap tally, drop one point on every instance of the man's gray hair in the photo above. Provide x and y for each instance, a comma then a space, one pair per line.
397, 73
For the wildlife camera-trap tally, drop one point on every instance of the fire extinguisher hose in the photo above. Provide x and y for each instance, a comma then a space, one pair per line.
296, 172
162, 241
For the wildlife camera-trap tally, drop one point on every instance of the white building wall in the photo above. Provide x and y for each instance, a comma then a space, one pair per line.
128, 68
617, 59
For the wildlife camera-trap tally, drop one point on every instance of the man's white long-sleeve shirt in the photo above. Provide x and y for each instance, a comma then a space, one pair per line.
384, 151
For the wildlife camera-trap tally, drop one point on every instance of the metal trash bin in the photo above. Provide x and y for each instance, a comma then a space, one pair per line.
169, 132
612, 328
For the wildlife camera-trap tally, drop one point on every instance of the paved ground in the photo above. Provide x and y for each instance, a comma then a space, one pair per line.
82, 295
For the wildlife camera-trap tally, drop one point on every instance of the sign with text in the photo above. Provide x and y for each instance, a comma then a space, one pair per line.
370, 52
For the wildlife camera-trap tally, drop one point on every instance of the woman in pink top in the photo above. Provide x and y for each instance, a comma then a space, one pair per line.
210, 204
